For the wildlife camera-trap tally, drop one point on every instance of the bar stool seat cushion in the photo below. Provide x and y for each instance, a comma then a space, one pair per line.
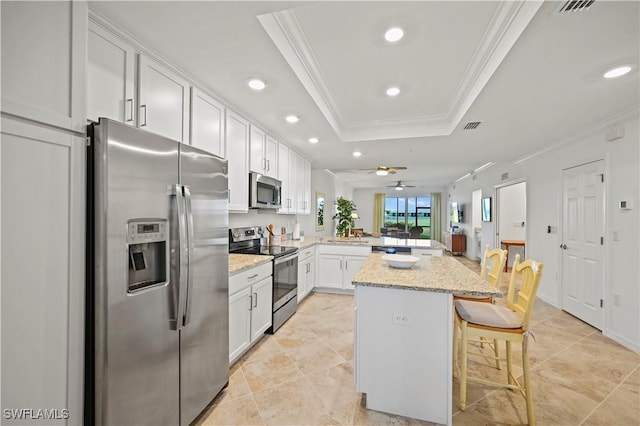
487, 314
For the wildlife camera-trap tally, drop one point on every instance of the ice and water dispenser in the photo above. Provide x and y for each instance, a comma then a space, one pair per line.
148, 249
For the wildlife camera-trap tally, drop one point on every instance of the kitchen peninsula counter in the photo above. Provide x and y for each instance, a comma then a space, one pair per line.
404, 334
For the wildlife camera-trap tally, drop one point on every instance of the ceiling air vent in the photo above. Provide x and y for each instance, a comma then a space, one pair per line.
472, 125
575, 6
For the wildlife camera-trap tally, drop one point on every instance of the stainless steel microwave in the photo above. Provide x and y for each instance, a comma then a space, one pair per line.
264, 192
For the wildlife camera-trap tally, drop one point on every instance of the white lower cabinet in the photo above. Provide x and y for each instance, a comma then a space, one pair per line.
250, 313
306, 272
337, 265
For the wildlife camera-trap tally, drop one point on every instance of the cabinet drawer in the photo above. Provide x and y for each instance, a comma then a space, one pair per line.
303, 254
344, 250
249, 277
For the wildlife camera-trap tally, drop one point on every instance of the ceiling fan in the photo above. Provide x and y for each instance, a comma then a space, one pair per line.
385, 170
400, 186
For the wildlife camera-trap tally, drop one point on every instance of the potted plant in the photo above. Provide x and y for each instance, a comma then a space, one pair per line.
344, 214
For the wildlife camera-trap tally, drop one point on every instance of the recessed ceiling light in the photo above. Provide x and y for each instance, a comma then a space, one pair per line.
357, 154
314, 140
393, 91
256, 84
617, 72
292, 118
394, 34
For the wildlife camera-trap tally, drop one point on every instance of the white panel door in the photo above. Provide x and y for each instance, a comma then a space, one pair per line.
261, 307
293, 176
110, 77
237, 141
582, 243
239, 323
207, 123
164, 101
43, 262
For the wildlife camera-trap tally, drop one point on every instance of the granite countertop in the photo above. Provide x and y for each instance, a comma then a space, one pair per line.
242, 262
439, 274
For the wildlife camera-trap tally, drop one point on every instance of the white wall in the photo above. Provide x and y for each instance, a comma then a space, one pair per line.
364, 202
543, 175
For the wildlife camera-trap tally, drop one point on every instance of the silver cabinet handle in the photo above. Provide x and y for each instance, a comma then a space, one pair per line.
252, 277
250, 302
144, 115
341, 264
255, 300
346, 264
268, 165
129, 102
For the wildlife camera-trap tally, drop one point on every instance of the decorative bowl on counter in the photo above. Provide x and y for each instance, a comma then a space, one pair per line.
400, 261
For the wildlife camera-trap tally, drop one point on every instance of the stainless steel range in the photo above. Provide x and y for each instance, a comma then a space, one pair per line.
285, 270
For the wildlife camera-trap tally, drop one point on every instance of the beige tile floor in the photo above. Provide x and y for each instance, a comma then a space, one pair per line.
303, 375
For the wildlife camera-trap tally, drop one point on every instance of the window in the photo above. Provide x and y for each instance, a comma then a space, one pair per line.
405, 213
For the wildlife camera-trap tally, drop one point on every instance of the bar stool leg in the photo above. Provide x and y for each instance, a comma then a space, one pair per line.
463, 369
456, 348
527, 383
509, 363
496, 351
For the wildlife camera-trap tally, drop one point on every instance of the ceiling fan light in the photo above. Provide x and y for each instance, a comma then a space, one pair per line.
399, 188
393, 91
382, 172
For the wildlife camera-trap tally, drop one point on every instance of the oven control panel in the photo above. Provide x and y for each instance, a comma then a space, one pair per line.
244, 234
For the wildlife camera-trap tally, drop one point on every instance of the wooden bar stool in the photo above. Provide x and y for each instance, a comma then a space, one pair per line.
510, 323
491, 271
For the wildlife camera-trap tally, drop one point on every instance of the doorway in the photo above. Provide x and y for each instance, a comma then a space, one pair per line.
582, 242
511, 219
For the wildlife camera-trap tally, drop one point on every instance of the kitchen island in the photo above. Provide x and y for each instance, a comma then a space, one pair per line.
403, 334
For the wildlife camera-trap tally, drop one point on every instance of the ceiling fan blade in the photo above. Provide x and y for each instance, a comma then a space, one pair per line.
397, 168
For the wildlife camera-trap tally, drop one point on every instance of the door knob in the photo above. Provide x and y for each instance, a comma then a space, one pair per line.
563, 246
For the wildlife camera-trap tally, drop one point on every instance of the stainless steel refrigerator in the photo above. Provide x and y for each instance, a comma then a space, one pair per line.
157, 284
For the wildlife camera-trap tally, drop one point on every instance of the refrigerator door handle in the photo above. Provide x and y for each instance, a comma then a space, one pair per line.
191, 259
182, 254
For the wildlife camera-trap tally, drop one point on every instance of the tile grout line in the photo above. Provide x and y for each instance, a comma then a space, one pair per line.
609, 395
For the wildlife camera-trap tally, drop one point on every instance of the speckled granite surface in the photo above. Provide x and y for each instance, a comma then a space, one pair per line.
241, 262
439, 274
367, 241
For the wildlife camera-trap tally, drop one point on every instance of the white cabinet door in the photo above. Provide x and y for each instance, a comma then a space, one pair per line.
44, 57
237, 139
43, 263
110, 77
302, 279
164, 101
261, 307
302, 202
292, 181
311, 270
239, 323
352, 265
271, 157
307, 186
330, 271
257, 160
207, 123
283, 176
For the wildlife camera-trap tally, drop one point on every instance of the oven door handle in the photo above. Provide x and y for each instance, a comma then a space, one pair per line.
283, 259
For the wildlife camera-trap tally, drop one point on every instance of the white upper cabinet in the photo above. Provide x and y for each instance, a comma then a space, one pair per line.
110, 77
283, 176
164, 101
207, 123
257, 160
44, 61
263, 153
237, 138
